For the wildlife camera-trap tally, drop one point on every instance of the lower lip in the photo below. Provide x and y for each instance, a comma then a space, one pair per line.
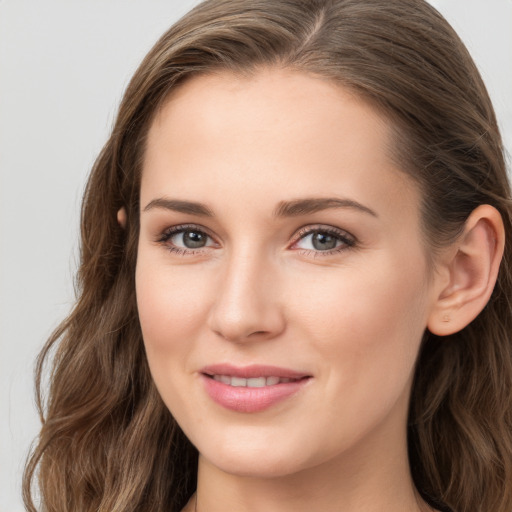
245, 399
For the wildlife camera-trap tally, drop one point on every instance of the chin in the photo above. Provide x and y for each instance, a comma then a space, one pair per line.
258, 458
255, 466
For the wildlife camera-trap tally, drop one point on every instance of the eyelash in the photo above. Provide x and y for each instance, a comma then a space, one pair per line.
347, 240
175, 230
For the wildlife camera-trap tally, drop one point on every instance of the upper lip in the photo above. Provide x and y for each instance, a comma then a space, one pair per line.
252, 371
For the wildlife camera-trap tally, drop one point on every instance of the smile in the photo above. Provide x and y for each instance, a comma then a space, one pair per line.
253, 382
251, 389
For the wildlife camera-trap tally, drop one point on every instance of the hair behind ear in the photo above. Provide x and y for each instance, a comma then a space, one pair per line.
462, 392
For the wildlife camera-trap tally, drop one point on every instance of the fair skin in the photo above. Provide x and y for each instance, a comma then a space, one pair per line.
337, 292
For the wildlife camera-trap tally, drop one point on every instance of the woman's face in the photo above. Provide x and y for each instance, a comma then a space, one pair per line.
282, 283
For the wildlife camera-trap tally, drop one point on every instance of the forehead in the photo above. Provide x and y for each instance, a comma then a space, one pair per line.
221, 133
268, 100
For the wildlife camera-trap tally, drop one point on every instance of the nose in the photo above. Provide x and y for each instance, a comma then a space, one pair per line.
247, 304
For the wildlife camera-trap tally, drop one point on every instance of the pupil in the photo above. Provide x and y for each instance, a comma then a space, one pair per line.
193, 239
323, 242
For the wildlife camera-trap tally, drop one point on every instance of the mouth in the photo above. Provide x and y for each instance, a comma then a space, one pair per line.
253, 388
252, 382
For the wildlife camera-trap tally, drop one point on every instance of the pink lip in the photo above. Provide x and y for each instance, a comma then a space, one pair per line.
250, 400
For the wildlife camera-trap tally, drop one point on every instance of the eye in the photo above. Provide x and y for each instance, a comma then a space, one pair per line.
190, 239
326, 240
186, 238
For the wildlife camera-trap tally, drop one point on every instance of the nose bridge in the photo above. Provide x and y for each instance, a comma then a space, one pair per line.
247, 302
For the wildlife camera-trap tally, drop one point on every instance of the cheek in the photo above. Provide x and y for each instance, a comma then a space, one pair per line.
368, 321
170, 305
366, 329
171, 316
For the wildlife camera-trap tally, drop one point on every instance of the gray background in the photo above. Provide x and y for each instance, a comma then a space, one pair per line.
63, 67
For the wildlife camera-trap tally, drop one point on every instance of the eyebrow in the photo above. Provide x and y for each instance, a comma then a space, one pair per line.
311, 205
176, 205
294, 208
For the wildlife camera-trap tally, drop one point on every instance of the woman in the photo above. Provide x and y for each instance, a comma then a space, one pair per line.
291, 293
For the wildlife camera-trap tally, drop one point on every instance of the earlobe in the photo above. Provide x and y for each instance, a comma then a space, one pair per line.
121, 217
472, 268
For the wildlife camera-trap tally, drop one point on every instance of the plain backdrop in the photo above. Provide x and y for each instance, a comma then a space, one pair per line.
63, 67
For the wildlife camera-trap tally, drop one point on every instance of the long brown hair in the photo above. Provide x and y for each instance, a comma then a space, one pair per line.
107, 440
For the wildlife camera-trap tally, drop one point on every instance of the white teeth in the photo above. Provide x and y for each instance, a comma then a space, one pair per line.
257, 382
222, 378
225, 379
253, 382
238, 382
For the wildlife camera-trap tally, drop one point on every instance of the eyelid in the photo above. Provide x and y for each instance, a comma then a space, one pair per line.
311, 228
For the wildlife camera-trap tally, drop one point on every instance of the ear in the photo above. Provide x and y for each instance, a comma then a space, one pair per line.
469, 272
121, 217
